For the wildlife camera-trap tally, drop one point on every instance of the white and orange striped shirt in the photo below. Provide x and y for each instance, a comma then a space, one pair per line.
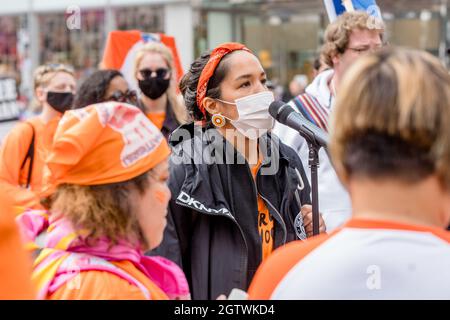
366, 259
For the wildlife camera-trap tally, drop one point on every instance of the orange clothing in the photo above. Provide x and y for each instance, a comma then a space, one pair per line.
15, 265
265, 222
157, 118
101, 285
13, 151
103, 143
366, 242
120, 47
271, 272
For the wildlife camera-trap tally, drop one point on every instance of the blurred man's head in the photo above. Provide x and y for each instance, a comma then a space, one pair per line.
352, 35
298, 84
391, 129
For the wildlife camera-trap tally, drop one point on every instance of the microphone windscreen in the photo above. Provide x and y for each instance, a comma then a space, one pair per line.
284, 112
274, 108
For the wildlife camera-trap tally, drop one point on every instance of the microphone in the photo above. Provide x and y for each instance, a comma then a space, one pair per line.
285, 114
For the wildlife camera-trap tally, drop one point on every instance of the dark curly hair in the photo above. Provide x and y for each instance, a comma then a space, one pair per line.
189, 82
94, 88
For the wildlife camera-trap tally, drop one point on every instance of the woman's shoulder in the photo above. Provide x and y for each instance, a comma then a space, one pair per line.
97, 285
290, 160
20, 134
185, 141
285, 151
25, 128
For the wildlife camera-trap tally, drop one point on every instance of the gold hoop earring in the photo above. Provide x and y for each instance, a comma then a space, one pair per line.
218, 120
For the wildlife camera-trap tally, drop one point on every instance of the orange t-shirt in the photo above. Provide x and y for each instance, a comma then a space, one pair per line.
12, 154
265, 221
102, 285
15, 264
293, 258
157, 118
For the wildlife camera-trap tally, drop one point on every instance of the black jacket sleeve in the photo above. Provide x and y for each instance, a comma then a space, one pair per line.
305, 194
302, 181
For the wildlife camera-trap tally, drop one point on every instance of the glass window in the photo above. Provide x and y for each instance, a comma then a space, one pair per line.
8, 45
424, 34
80, 47
286, 46
144, 18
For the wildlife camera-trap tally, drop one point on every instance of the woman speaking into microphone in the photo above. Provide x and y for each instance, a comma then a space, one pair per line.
237, 191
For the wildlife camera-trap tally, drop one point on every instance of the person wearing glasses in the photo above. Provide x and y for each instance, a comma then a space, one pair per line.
155, 75
102, 86
24, 149
351, 36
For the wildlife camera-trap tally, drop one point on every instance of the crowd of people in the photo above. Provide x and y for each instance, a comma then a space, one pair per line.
188, 189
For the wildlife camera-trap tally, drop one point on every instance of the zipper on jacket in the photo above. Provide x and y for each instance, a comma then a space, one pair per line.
283, 224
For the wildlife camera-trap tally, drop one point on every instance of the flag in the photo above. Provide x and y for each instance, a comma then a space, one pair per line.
122, 46
337, 7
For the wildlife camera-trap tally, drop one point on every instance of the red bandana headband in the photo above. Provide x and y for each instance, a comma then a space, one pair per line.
216, 56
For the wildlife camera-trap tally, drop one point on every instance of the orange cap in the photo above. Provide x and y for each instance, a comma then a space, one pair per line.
103, 143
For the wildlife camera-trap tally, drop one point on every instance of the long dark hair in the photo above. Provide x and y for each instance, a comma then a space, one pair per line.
94, 88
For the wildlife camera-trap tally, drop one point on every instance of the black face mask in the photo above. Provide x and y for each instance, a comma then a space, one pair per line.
154, 87
60, 101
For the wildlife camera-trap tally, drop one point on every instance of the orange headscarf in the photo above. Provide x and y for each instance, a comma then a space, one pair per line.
214, 59
103, 143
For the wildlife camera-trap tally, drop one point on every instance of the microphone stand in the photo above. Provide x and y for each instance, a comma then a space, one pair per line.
314, 166
313, 162
314, 145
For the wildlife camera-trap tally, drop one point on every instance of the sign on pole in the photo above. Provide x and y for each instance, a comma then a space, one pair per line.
9, 106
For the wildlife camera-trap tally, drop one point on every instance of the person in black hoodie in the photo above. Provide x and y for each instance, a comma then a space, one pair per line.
237, 191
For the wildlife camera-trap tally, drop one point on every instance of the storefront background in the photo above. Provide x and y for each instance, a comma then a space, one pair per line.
286, 35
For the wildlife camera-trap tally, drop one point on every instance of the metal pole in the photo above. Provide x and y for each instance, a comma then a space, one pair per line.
110, 21
33, 32
314, 165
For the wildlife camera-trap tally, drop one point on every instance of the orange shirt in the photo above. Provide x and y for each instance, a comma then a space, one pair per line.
157, 118
101, 285
272, 271
366, 242
265, 221
12, 154
15, 265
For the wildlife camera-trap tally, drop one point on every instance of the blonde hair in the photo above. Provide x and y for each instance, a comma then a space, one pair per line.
392, 118
42, 77
175, 99
337, 34
103, 210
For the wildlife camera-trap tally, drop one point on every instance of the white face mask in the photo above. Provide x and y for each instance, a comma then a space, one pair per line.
254, 118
